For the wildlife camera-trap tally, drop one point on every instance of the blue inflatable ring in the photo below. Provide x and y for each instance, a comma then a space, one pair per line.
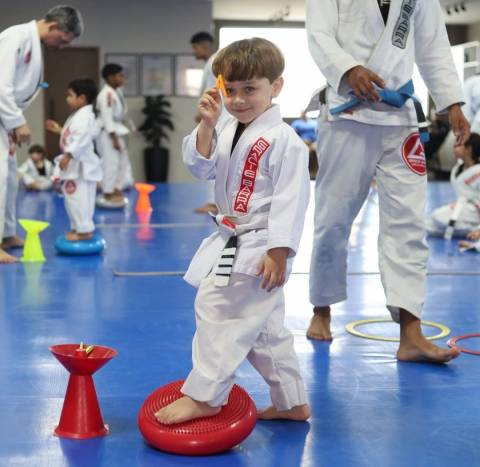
83, 247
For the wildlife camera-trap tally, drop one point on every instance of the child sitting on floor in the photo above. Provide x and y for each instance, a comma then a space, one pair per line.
36, 171
464, 214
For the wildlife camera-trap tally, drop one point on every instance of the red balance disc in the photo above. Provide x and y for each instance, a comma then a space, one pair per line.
202, 436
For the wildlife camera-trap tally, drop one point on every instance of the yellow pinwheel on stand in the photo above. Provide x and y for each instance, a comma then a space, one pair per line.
32, 251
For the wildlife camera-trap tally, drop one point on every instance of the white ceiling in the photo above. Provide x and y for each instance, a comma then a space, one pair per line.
265, 10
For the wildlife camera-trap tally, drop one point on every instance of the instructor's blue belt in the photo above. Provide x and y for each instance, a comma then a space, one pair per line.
396, 99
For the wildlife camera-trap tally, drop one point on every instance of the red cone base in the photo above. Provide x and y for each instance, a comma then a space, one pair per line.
81, 417
201, 436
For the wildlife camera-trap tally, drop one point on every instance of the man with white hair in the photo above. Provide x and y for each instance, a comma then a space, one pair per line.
21, 77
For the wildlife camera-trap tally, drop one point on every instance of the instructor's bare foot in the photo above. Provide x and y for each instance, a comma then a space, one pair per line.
185, 409
299, 413
414, 347
5, 258
12, 242
425, 351
319, 328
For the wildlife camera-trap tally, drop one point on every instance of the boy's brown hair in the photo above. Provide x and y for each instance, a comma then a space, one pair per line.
249, 58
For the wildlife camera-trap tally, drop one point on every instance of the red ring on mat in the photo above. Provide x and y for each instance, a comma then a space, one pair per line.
453, 343
202, 436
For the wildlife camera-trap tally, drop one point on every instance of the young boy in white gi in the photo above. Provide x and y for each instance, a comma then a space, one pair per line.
111, 143
464, 214
36, 172
79, 167
21, 73
260, 167
361, 47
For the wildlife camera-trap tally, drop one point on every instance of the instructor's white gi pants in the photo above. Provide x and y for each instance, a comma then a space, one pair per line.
8, 187
236, 322
350, 154
117, 171
79, 196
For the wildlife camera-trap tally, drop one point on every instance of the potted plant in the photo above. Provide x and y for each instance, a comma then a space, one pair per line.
154, 128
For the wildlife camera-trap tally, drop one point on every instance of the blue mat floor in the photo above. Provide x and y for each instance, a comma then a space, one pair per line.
368, 409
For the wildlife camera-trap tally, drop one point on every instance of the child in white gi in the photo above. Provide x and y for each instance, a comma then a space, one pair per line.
260, 167
78, 167
111, 142
36, 172
464, 214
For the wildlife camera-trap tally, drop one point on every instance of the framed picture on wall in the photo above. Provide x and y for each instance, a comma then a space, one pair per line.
188, 75
129, 62
156, 74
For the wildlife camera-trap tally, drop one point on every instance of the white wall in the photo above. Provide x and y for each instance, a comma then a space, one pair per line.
143, 26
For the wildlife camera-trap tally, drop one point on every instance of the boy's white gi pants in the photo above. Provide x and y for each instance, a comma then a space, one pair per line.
117, 172
350, 154
80, 204
236, 322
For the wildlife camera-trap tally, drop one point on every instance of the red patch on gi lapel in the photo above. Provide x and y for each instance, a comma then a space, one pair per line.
70, 187
414, 155
64, 139
28, 57
249, 175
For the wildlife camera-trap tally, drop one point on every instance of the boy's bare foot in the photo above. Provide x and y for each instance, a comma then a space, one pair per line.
75, 236
206, 208
319, 328
414, 347
185, 409
114, 197
300, 413
12, 242
5, 258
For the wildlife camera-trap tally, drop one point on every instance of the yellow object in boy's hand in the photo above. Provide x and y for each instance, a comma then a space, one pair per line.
221, 85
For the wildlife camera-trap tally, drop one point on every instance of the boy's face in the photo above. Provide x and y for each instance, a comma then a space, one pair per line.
74, 101
36, 156
117, 80
463, 152
247, 100
202, 50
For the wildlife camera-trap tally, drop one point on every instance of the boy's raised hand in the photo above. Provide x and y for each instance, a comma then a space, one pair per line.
210, 106
53, 126
272, 268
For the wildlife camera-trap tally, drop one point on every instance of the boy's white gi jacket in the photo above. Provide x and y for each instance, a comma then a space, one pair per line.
29, 172
345, 33
20, 72
112, 111
263, 186
76, 138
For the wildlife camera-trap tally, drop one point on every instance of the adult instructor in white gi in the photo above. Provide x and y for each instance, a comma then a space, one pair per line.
362, 46
21, 72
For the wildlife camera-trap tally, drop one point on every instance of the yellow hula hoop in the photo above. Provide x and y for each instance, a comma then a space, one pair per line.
352, 329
